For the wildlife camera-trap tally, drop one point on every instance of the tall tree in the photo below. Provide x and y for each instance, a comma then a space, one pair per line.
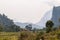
49, 25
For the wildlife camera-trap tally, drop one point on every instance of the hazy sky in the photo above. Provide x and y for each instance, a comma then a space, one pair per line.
26, 10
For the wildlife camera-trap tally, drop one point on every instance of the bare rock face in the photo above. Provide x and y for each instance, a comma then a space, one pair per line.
53, 15
56, 16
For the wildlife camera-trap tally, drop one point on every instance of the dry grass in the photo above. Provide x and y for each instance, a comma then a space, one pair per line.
27, 35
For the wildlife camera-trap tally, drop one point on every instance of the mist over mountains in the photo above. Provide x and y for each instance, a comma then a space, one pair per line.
53, 14
22, 25
41, 23
47, 16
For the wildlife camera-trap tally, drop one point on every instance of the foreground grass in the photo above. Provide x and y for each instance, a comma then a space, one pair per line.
26, 35
17, 36
8, 35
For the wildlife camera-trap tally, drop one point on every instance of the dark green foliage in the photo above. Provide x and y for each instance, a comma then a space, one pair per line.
29, 27
55, 28
1, 28
13, 28
49, 25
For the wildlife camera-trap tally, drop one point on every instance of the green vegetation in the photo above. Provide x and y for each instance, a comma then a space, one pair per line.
49, 25
27, 35
16, 33
8, 36
1, 28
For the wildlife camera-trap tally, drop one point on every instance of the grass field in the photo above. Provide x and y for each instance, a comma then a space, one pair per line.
8, 35
26, 35
17, 36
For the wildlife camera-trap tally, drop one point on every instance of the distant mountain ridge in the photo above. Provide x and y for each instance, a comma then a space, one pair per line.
41, 23
24, 24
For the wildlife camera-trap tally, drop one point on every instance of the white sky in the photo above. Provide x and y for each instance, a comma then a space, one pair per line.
26, 10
